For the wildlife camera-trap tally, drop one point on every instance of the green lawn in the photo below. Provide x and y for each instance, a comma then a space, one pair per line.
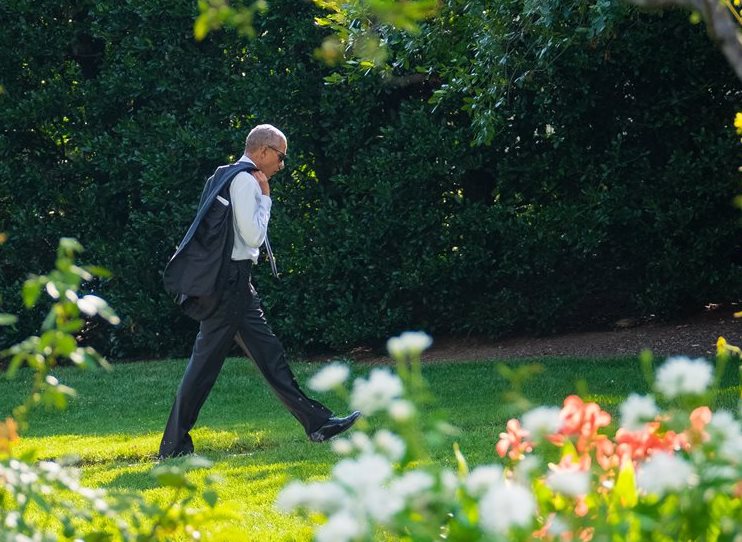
114, 424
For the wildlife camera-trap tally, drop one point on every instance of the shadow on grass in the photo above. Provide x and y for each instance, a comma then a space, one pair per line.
87, 450
234, 470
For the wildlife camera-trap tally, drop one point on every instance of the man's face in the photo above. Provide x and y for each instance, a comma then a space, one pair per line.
272, 158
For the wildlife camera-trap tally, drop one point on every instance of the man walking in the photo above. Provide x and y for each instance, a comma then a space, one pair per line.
211, 272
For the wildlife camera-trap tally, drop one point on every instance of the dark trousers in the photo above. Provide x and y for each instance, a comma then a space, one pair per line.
239, 317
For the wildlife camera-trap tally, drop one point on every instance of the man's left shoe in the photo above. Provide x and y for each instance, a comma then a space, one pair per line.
334, 426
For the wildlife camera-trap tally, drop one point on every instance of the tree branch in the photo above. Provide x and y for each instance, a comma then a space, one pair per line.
720, 24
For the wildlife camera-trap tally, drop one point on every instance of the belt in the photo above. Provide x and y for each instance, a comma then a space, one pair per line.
247, 262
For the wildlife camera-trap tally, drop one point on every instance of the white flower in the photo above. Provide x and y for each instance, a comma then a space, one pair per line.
318, 496
401, 410
28, 477
376, 393
410, 343
91, 304
329, 378
52, 469
412, 483
724, 424
505, 506
340, 527
100, 506
361, 442
731, 449
389, 443
557, 526
664, 472
716, 472
525, 467
637, 410
52, 290
727, 432
449, 483
483, 478
382, 504
11, 520
569, 482
682, 375
291, 497
541, 421
366, 472
341, 446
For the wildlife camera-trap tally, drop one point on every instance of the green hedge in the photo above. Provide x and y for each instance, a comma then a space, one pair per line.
113, 116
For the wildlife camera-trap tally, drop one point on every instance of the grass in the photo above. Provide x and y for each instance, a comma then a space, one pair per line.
115, 423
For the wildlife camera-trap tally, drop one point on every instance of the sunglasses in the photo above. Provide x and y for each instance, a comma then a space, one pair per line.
281, 155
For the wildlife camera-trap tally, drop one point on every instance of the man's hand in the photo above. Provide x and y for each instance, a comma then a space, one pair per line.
262, 181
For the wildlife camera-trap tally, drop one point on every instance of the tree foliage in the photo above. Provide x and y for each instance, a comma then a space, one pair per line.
513, 166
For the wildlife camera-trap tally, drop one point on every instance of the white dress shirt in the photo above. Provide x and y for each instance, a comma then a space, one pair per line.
251, 211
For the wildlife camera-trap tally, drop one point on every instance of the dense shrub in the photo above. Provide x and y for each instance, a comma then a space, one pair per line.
112, 116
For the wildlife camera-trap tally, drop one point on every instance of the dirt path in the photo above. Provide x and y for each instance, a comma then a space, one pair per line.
694, 337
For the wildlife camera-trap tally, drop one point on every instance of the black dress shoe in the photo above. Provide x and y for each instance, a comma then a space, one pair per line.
334, 426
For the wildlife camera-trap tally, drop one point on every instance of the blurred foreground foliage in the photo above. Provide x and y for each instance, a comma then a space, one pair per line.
43, 500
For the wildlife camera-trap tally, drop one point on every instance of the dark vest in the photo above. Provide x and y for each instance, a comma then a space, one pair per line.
196, 272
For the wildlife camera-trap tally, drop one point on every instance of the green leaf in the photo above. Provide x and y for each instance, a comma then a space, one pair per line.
334, 79
98, 271
66, 344
170, 477
50, 319
47, 339
196, 462
31, 292
7, 319
71, 326
70, 246
461, 463
625, 488
210, 497
16, 362
201, 27
568, 449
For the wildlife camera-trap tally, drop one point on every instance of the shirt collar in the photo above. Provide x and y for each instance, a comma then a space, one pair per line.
245, 158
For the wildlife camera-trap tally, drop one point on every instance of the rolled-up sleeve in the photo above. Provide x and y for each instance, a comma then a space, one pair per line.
252, 210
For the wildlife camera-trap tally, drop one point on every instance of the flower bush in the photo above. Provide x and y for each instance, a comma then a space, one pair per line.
669, 469
44, 501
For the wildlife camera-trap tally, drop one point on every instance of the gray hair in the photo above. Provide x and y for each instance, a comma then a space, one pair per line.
263, 135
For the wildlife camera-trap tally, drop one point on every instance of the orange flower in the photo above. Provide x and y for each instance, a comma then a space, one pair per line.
639, 445
699, 419
513, 442
8, 434
584, 420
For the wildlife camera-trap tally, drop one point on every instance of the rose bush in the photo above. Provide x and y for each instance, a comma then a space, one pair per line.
670, 469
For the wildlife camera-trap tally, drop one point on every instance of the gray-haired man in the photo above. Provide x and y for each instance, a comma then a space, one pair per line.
240, 192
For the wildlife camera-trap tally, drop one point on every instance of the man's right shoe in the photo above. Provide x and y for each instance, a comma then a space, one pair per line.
334, 426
